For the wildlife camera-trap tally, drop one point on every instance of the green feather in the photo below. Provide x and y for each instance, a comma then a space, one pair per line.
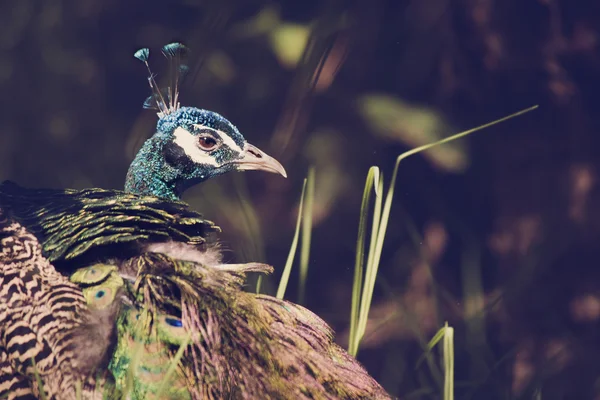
71, 223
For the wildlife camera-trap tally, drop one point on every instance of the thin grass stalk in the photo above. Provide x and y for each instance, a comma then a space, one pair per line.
134, 361
371, 269
474, 305
173, 365
258, 283
250, 220
428, 354
285, 276
38, 379
78, 390
448, 350
307, 218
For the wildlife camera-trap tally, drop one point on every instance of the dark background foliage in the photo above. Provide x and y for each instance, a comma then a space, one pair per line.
497, 235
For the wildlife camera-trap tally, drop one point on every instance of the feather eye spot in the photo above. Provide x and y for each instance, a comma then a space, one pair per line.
100, 294
174, 322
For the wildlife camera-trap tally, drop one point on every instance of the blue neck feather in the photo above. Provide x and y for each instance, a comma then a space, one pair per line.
150, 175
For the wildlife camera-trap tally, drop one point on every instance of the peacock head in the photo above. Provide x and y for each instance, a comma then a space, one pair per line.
190, 145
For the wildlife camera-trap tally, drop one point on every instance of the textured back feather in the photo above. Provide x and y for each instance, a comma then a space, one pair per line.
94, 224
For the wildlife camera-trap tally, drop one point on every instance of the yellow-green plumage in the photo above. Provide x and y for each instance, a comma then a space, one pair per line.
100, 284
78, 227
141, 357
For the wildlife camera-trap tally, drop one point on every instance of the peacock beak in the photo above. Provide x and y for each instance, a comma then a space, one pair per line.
253, 159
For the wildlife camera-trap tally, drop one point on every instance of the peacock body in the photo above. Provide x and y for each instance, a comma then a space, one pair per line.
111, 294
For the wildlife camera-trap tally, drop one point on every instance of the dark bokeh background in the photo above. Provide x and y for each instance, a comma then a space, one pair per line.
497, 234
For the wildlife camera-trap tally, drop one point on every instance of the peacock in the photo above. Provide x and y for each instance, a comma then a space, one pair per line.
124, 294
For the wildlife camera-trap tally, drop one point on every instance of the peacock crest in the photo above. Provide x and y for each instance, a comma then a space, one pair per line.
165, 100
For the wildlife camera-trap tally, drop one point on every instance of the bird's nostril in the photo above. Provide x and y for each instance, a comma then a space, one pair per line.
255, 153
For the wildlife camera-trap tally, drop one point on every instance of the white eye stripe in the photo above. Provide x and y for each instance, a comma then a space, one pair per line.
188, 142
226, 139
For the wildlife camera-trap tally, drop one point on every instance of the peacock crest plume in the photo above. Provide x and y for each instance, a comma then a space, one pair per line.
165, 101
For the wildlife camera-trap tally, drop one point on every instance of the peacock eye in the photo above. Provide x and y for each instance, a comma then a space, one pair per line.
207, 143
174, 322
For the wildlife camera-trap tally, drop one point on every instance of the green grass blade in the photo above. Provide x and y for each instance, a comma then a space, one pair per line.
370, 273
249, 221
461, 134
78, 390
372, 265
38, 379
135, 355
258, 283
435, 340
172, 366
285, 277
474, 309
448, 351
446, 336
307, 217
372, 176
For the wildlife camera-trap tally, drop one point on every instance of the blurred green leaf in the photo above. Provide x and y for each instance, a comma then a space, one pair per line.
392, 118
262, 23
288, 42
221, 66
321, 151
